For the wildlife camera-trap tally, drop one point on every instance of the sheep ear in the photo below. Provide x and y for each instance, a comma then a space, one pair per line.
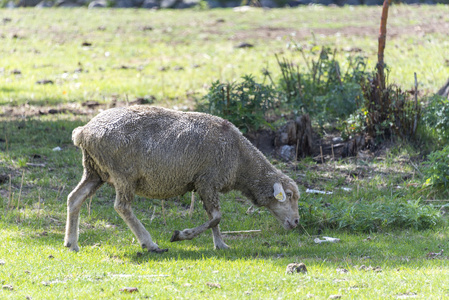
279, 192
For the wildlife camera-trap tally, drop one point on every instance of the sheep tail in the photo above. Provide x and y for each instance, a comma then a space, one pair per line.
78, 136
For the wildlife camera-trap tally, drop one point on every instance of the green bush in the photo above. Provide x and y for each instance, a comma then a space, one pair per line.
324, 92
367, 216
437, 170
244, 103
436, 117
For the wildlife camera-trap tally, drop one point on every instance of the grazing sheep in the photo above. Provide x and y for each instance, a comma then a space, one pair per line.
160, 153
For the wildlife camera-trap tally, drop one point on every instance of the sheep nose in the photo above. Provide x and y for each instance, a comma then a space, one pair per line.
296, 221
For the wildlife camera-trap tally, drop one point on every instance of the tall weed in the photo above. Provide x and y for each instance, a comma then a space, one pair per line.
324, 92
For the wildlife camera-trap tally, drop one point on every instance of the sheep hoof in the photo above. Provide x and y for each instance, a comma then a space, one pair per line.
175, 236
158, 250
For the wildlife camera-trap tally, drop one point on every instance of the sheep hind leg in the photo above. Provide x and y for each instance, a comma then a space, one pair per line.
123, 207
85, 188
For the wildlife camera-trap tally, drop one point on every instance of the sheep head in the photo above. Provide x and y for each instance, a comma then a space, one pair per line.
284, 203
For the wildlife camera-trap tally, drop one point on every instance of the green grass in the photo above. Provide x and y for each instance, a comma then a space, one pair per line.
203, 44
37, 264
48, 44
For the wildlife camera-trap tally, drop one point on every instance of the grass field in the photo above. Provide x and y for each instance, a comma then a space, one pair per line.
170, 58
174, 55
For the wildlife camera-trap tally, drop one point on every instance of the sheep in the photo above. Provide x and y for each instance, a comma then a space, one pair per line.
160, 153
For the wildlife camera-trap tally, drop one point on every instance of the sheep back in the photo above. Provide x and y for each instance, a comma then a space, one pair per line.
162, 153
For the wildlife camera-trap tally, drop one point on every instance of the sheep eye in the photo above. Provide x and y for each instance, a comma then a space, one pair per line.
289, 194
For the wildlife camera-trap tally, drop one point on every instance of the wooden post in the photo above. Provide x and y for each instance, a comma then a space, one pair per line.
381, 47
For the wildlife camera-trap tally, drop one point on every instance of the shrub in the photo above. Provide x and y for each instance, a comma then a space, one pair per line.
244, 103
384, 113
436, 117
437, 170
325, 93
367, 216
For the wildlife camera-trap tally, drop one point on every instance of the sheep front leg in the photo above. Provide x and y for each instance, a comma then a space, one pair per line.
218, 241
190, 233
213, 211
123, 207
87, 186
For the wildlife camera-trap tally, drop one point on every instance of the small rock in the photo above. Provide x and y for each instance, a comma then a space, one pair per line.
97, 4
377, 269
45, 81
7, 287
150, 4
16, 72
168, 3
287, 152
342, 270
335, 297
213, 285
45, 4
245, 45
129, 289
2, 262
296, 268
51, 256
90, 104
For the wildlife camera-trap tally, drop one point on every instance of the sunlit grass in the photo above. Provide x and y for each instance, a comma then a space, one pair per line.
174, 55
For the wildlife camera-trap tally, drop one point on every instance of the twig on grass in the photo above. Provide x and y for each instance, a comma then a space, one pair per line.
35, 165
163, 213
9, 193
192, 205
90, 205
321, 152
242, 231
152, 216
20, 194
416, 168
305, 230
60, 190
